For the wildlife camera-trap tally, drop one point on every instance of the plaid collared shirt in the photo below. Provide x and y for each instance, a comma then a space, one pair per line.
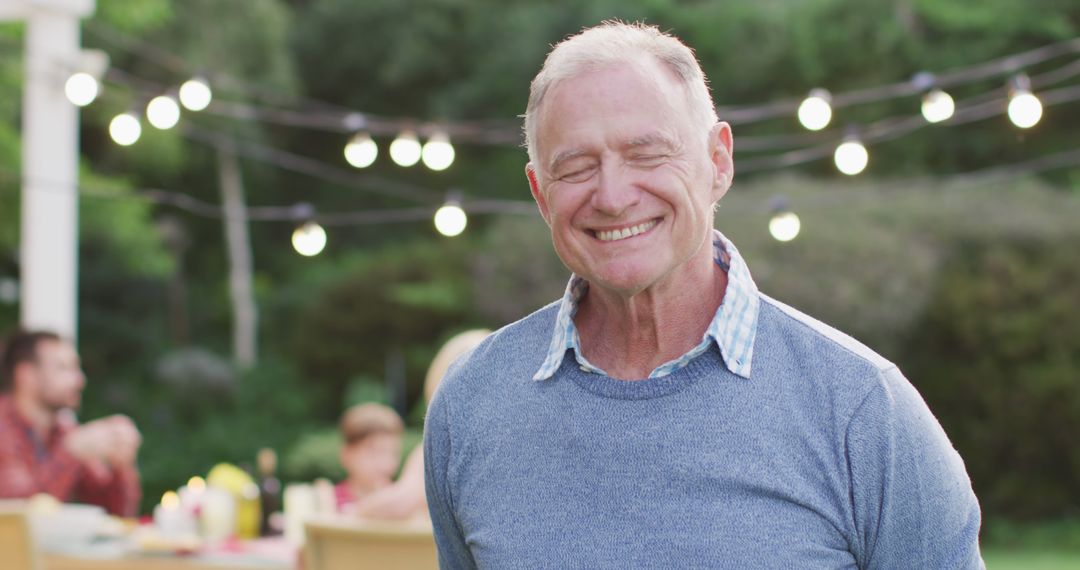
733, 327
29, 466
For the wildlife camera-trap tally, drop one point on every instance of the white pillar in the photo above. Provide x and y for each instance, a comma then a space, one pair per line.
50, 151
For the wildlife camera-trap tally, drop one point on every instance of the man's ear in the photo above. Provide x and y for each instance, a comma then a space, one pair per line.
23, 375
538, 195
721, 149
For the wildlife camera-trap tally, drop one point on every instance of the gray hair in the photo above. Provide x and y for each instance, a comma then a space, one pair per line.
614, 42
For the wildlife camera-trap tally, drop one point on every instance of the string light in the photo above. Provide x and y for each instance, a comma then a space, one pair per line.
1025, 109
784, 225
81, 89
487, 133
438, 153
309, 239
851, 156
997, 174
887, 129
361, 150
509, 132
450, 219
125, 129
163, 112
195, 94
405, 150
815, 112
937, 106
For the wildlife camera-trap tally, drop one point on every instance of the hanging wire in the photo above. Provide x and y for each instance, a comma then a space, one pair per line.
478, 133
181, 201
744, 114
323, 115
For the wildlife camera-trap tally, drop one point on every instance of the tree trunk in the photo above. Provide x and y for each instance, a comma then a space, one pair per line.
239, 248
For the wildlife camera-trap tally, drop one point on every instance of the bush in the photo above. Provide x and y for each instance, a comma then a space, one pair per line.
315, 455
371, 321
186, 432
974, 291
996, 354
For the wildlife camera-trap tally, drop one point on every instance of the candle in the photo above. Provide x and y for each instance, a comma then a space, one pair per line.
300, 504
171, 519
218, 514
191, 494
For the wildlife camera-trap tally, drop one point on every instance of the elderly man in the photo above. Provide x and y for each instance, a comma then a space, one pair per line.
42, 448
664, 413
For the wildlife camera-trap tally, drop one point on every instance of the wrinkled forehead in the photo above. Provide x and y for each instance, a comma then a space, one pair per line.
627, 92
655, 75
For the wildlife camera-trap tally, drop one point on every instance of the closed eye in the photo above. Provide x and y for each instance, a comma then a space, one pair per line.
648, 160
579, 175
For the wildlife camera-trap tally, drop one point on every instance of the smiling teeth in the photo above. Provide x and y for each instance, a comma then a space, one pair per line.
613, 235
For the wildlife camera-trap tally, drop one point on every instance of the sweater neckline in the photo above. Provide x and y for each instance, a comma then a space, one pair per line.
709, 365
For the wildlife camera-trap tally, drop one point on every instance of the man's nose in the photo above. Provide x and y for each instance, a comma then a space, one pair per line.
615, 192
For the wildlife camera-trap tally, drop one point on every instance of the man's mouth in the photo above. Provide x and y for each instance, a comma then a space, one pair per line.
627, 232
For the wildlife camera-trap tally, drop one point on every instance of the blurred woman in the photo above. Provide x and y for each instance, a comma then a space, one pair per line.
405, 497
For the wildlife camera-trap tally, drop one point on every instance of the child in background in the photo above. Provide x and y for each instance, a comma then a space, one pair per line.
405, 498
370, 452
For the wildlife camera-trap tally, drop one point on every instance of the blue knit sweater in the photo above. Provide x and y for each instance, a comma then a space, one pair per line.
826, 457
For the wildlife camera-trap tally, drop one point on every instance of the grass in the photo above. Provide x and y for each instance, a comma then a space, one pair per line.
1010, 559
1050, 545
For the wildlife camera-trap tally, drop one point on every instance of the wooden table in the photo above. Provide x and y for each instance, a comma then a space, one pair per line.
267, 554
64, 562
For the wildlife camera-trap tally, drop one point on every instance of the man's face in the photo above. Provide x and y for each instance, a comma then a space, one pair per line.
59, 376
625, 179
374, 459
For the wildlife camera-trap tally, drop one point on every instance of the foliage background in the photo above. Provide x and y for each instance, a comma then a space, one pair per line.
970, 285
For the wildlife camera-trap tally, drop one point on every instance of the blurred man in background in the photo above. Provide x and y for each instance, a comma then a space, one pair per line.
43, 448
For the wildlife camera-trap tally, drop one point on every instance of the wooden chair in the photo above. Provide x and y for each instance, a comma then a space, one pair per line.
350, 544
16, 544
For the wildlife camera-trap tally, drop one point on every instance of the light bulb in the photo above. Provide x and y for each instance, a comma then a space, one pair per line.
195, 94
438, 153
450, 220
361, 150
309, 239
815, 112
851, 157
937, 106
1025, 109
125, 129
405, 150
163, 112
784, 226
81, 89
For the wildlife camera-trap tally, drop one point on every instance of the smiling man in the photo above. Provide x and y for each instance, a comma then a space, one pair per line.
43, 449
664, 413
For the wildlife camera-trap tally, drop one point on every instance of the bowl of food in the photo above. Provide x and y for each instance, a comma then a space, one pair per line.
57, 526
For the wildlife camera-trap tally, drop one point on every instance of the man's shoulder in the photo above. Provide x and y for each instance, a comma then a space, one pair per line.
826, 341
513, 351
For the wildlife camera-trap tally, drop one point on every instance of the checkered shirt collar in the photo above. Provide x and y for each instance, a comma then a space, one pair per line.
733, 327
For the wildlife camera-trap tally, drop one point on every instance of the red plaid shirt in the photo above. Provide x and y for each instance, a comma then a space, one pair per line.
29, 466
